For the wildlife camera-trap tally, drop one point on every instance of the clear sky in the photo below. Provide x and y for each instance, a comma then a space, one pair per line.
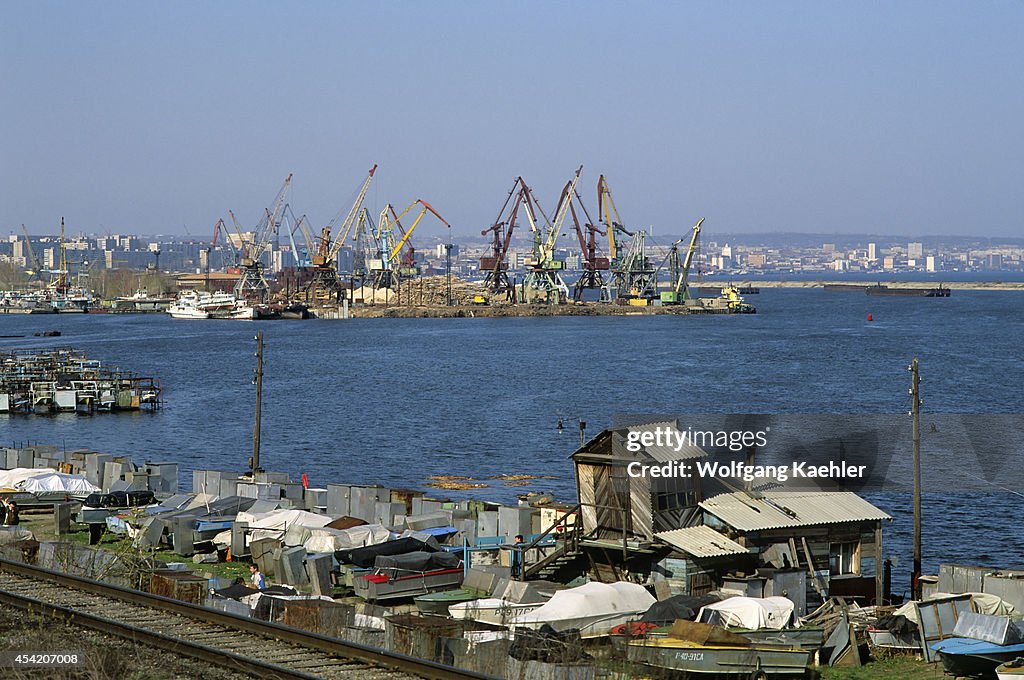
884, 117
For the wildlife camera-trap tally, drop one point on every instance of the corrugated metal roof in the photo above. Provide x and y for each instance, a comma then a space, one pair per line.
780, 509
701, 542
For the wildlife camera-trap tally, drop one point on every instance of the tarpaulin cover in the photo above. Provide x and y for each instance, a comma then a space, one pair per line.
272, 524
364, 557
749, 612
663, 613
326, 539
58, 484
10, 478
394, 566
592, 608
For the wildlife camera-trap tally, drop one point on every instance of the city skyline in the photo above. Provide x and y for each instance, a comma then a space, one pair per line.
785, 117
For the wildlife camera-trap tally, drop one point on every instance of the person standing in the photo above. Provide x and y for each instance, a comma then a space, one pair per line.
256, 578
11, 519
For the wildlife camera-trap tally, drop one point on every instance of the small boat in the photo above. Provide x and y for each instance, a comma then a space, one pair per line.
406, 576
880, 289
719, 659
1011, 670
491, 610
969, 657
593, 608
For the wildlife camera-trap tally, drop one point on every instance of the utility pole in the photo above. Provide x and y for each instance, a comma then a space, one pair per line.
915, 413
254, 462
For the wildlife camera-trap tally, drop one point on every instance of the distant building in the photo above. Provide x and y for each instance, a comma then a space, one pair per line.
872, 252
993, 261
889, 263
828, 247
929, 263
756, 260
915, 251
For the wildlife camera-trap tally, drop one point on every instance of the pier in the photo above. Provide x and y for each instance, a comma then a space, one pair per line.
65, 380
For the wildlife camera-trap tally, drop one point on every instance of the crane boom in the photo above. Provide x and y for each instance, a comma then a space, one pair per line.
346, 226
605, 208
408, 233
37, 268
681, 284
267, 226
548, 249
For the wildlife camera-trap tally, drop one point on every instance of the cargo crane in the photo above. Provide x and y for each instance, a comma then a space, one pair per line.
632, 273
605, 209
325, 286
386, 268
543, 282
363, 244
252, 284
591, 278
37, 268
495, 265
680, 291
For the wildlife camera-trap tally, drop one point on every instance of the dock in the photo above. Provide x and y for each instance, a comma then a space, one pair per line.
64, 380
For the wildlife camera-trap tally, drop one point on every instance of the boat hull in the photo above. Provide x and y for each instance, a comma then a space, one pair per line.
714, 660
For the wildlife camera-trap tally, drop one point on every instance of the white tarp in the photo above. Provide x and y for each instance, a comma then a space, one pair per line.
749, 612
985, 603
272, 524
57, 484
593, 608
325, 539
10, 535
9, 479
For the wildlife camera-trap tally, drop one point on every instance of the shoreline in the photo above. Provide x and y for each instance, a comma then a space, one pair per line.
821, 283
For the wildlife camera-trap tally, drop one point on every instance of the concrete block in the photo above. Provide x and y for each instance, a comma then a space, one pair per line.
363, 502
137, 481
468, 528
246, 490
94, 465
152, 532
292, 566
318, 571
293, 492
227, 486
338, 496
416, 507
427, 506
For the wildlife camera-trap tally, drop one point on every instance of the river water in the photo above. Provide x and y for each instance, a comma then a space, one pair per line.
391, 401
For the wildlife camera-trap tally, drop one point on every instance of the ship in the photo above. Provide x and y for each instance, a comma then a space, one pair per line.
879, 289
202, 305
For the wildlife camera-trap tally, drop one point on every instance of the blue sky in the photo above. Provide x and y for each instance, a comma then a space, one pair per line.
898, 118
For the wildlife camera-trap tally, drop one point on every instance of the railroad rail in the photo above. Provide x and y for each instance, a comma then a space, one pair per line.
260, 648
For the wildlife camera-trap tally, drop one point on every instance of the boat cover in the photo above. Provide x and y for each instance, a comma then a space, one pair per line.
10, 478
10, 535
576, 607
417, 562
326, 539
749, 612
666, 611
57, 484
364, 557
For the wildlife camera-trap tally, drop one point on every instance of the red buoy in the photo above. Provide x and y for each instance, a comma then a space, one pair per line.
870, 318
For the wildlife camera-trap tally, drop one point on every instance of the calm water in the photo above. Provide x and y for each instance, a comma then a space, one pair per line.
392, 401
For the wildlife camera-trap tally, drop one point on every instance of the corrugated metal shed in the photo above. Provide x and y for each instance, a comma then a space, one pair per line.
782, 509
701, 542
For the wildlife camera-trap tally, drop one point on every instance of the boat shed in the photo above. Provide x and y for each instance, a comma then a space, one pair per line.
617, 501
836, 536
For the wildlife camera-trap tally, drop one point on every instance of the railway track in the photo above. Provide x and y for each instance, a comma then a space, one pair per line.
238, 643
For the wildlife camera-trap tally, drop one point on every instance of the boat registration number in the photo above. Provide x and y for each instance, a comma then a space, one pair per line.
690, 656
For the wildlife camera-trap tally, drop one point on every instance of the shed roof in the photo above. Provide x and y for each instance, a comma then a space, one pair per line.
781, 509
612, 444
701, 541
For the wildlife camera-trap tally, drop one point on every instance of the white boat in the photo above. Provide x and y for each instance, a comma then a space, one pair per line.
491, 610
593, 608
202, 305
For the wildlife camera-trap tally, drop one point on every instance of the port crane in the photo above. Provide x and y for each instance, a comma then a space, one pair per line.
325, 286
387, 269
252, 284
680, 291
543, 282
495, 265
593, 266
31, 259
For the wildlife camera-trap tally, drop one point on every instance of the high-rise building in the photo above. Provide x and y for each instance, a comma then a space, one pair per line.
915, 251
929, 263
872, 252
